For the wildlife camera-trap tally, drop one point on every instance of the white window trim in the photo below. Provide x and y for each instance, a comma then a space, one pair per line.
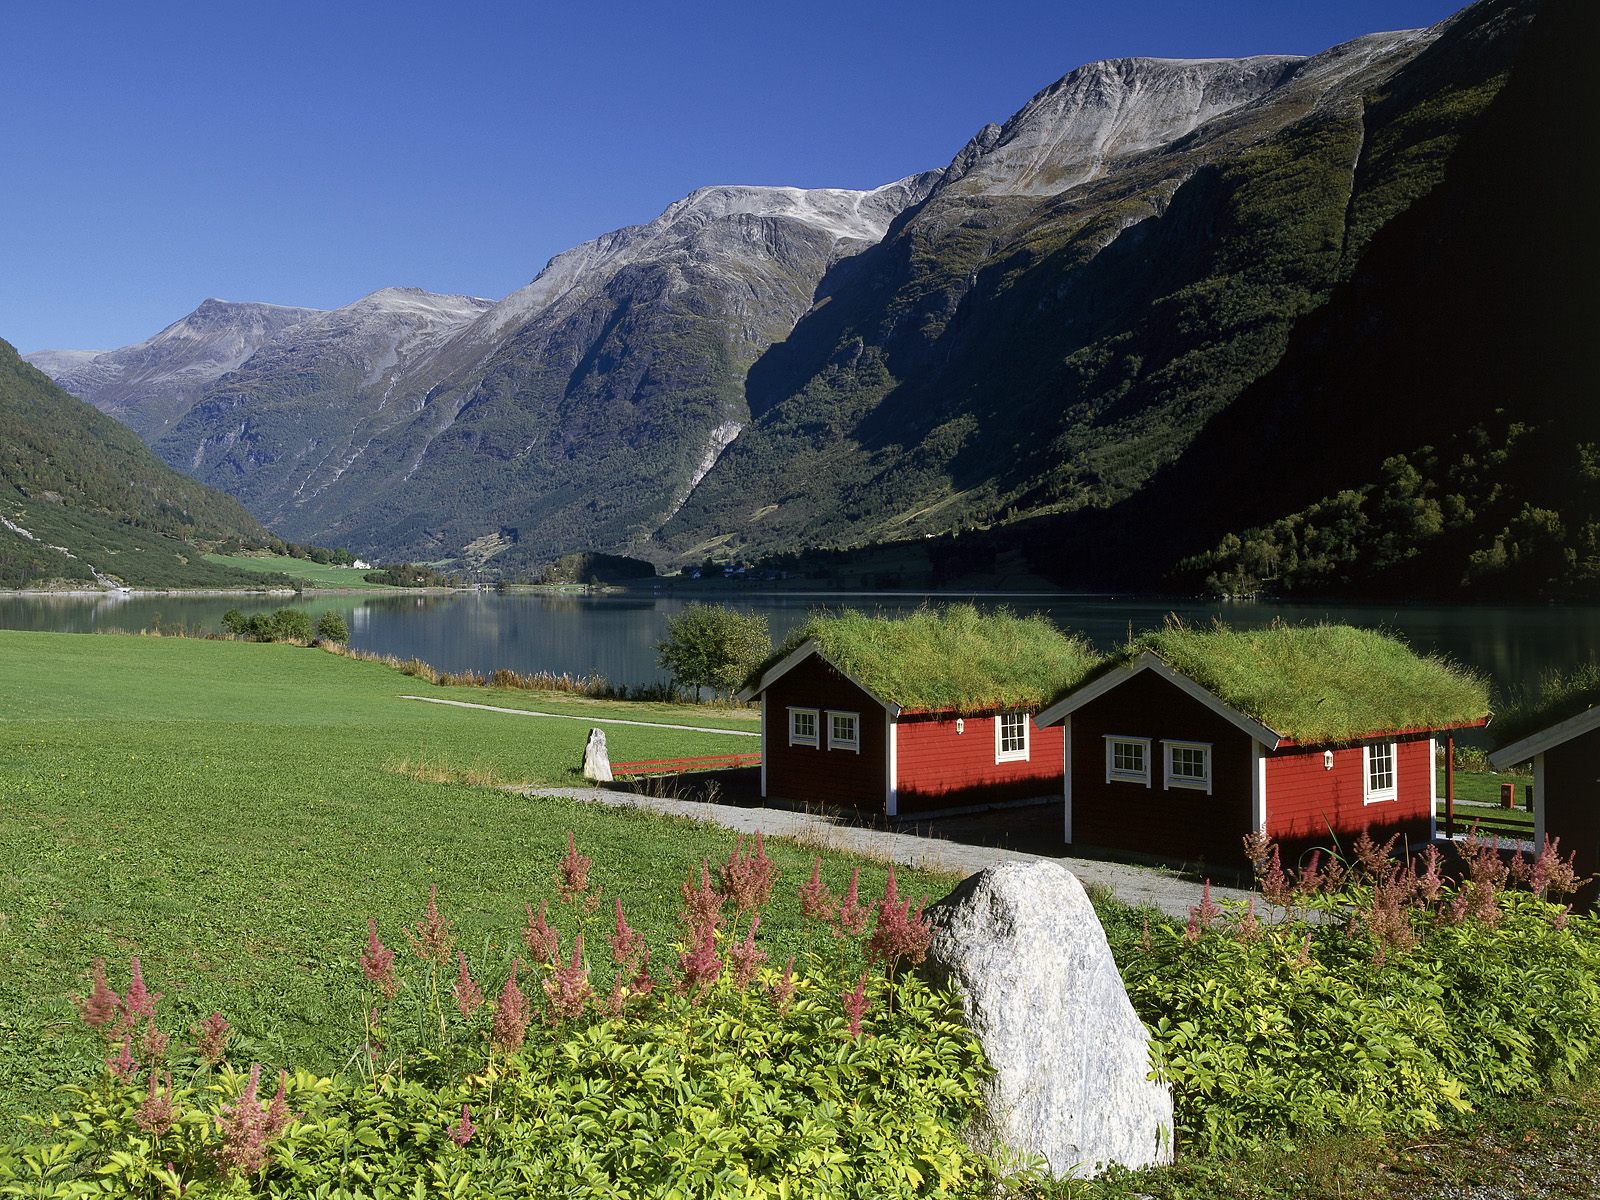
816, 723
1383, 795
1170, 781
1115, 776
1001, 756
838, 744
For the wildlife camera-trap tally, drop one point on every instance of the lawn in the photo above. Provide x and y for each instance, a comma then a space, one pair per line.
1480, 788
231, 813
322, 575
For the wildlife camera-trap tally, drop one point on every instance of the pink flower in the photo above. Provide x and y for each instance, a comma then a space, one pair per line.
850, 918
747, 879
1249, 926
278, 1114
432, 937
211, 1038
702, 905
510, 1016
138, 1004
543, 943
642, 983
572, 874
744, 960
154, 1115
122, 1065
625, 941
461, 1132
855, 1004
816, 902
568, 988
468, 995
897, 932
699, 967
377, 963
99, 1008
245, 1130
783, 989
152, 1042
1201, 915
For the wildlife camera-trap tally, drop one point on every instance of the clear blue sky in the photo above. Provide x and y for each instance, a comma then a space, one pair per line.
308, 153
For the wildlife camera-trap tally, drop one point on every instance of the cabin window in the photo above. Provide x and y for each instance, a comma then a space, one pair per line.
844, 731
1188, 765
802, 727
1011, 737
1380, 774
1127, 760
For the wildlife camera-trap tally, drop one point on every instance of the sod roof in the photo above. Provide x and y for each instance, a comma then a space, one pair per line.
1561, 697
1320, 683
950, 658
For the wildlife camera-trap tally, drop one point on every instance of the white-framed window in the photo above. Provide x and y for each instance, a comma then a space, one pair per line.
1188, 765
844, 731
1378, 773
1011, 737
803, 727
1127, 759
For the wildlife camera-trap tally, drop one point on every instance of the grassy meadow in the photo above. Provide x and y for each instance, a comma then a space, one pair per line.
233, 812
311, 574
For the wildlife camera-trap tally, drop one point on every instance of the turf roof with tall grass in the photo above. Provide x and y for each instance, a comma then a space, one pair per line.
1561, 696
1320, 683
950, 658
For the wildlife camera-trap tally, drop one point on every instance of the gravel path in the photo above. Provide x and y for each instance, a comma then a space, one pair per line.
1164, 890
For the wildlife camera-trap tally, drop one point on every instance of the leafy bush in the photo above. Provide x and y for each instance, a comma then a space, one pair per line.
331, 627
712, 645
1391, 999
281, 625
722, 1076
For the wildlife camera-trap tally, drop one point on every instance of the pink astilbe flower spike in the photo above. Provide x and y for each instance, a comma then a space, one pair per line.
99, 1008
211, 1038
744, 960
572, 874
245, 1130
543, 943
461, 1132
747, 879
816, 901
897, 932
152, 1042
154, 1115
122, 1064
642, 983
138, 1003
1249, 927
702, 903
278, 1115
568, 988
626, 942
855, 1004
511, 1014
377, 963
783, 988
699, 967
1201, 915
467, 994
432, 937
850, 918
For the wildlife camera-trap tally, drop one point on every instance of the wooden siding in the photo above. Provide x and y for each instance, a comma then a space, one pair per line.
819, 775
1571, 800
1309, 805
939, 768
1178, 824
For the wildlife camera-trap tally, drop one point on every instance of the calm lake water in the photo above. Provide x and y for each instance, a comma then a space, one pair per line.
616, 635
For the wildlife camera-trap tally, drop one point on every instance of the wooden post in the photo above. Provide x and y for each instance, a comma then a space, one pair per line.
1527, 795
1449, 785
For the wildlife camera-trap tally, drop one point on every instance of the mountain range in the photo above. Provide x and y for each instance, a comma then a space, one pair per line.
1076, 342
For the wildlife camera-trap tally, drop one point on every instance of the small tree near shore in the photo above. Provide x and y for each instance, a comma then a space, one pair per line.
712, 645
331, 627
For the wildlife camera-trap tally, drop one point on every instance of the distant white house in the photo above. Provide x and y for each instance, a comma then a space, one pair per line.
361, 565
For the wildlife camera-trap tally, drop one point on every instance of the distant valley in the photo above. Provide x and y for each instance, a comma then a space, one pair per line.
1132, 337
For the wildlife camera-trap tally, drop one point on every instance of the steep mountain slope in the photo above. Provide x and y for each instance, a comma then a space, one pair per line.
82, 499
149, 386
577, 412
1007, 349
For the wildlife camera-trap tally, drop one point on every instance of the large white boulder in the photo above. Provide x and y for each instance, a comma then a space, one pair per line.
1071, 1059
596, 759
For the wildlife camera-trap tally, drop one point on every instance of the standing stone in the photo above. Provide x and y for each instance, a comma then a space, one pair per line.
596, 762
1042, 993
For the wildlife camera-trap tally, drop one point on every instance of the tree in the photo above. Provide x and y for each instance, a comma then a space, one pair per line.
331, 628
711, 645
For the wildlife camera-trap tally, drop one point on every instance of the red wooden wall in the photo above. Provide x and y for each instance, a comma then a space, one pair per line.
1309, 805
939, 768
818, 775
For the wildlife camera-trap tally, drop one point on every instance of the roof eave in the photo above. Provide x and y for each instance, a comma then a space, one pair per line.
1545, 739
792, 660
1375, 734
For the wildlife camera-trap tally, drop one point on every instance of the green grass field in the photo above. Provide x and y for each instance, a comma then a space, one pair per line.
322, 575
230, 812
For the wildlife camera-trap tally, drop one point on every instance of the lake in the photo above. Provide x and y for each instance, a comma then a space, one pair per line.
615, 635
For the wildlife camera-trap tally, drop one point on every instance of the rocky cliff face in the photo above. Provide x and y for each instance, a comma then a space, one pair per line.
149, 386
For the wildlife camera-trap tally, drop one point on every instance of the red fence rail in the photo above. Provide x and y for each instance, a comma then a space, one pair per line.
677, 766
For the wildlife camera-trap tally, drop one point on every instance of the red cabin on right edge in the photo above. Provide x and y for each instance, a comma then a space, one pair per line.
1191, 739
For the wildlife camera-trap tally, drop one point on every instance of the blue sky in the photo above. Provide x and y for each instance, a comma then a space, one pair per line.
304, 153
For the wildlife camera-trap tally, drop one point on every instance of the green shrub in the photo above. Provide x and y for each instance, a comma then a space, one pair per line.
331, 627
281, 625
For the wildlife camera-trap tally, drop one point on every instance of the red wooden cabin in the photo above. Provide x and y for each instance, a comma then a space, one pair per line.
1162, 767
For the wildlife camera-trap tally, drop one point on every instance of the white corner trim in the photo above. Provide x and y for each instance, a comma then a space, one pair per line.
1546, 739
891, 799
1258, 786
1433, 789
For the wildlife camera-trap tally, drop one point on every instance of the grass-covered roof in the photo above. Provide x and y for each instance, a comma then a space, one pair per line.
1320, 683
948, 658
1560, 697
